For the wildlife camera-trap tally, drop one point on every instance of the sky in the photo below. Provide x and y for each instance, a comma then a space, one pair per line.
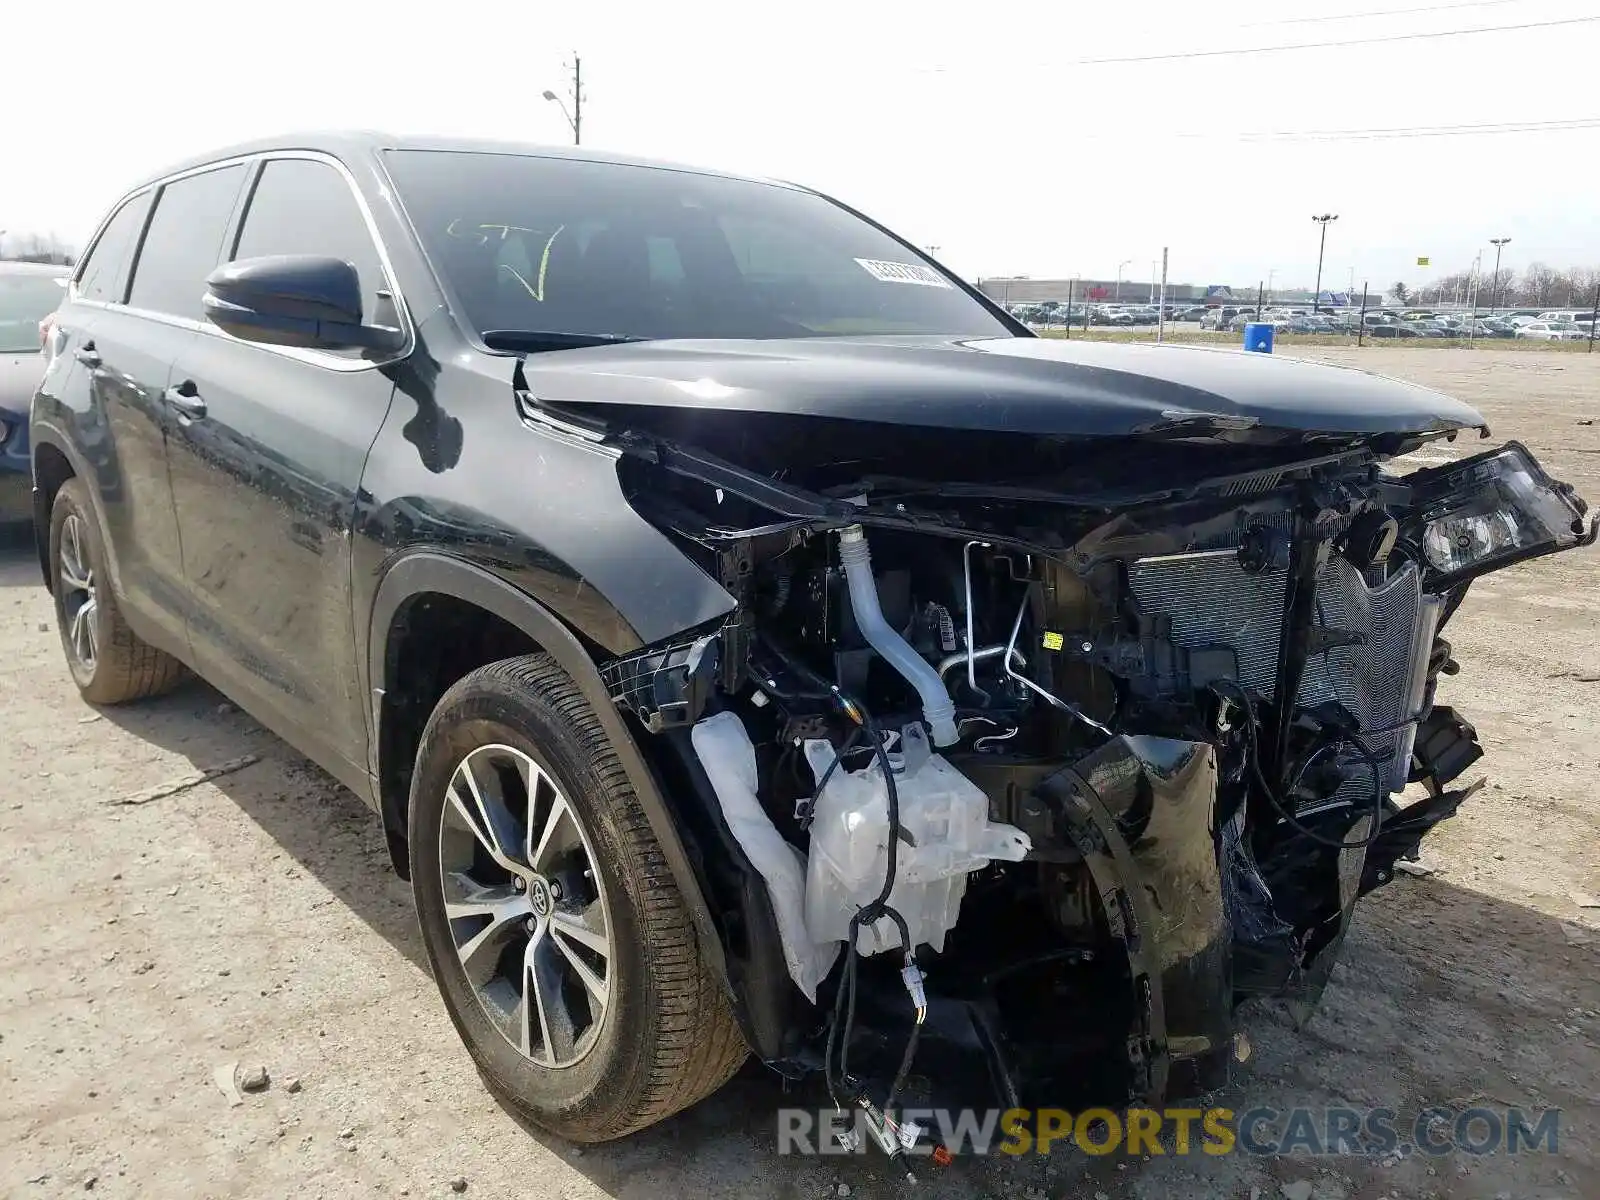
990, 132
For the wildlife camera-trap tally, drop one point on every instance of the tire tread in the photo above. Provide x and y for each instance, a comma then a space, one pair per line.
128, 668
699, 1046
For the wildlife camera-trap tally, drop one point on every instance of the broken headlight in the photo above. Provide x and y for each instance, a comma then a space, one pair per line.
1490, 511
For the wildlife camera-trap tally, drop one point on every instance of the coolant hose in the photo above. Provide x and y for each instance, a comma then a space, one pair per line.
937, 707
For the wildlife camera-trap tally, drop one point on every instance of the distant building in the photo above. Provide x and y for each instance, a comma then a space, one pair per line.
1019, 289
1022, 289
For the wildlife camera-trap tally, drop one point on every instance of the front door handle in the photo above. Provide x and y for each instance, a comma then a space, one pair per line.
88, 355
185, 397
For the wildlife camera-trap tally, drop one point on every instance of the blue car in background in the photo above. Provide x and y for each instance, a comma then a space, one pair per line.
29, 293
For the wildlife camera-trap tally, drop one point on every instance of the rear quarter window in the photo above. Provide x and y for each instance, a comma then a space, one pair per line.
183, 242
103, 275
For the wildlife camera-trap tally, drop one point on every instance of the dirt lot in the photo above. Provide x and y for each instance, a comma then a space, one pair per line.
254, 920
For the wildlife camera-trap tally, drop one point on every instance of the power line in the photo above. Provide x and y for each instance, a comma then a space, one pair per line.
1366, 41
1562, 125
1378, 12
1554, 126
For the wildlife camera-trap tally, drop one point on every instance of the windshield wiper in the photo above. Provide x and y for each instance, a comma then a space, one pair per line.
540, 339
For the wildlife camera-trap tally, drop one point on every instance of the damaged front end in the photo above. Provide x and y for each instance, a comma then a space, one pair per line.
1017, 790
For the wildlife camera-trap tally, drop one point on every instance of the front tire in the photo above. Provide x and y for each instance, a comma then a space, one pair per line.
565, 953
109, 662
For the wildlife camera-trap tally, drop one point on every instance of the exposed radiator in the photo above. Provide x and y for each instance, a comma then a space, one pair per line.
1213, 601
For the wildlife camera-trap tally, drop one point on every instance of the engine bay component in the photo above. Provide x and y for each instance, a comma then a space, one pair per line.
729, 759
1171, 728
937, 708
945, 832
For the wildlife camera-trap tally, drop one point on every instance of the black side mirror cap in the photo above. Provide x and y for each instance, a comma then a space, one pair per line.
304, 300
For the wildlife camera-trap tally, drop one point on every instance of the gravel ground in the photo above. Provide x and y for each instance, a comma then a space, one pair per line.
252, 920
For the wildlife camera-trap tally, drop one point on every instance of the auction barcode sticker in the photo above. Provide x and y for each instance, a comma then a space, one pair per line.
894, 272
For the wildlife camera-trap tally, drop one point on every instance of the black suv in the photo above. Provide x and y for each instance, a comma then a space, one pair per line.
752, 637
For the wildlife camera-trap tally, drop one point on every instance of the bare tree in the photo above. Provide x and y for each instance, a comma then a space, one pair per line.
1538, 284
36, 247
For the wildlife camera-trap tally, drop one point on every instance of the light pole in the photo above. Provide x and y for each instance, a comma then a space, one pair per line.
1120, 265
575, 117
1271, 275
1316, 293
1495, 284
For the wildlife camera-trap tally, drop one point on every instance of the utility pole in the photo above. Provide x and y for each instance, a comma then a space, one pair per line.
1120, 265
575, 117
1161, 311
1316, 293
1494, 286
577, 100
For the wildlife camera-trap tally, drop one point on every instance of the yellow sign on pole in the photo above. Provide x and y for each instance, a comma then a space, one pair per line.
1422, 261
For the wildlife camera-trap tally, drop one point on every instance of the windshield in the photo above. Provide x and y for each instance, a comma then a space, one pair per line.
25, 300
566, 246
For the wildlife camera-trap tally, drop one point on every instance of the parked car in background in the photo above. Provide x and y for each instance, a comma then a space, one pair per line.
1107, 315
1393, 329
29, 294
1218, 318
1552, 331
1491, 328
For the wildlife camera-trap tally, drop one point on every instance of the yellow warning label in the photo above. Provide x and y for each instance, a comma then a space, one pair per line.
1054, 641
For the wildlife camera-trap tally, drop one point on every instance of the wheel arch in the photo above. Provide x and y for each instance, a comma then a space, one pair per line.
430, 573
54, 462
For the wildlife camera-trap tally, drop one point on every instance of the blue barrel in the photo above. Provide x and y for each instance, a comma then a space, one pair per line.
1258, 336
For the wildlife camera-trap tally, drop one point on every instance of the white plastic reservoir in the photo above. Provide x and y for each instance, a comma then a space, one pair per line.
945, 818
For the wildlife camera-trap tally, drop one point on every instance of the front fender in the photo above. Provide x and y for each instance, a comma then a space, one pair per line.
429, 571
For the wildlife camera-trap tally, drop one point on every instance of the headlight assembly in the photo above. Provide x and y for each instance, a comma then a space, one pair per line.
1489, 511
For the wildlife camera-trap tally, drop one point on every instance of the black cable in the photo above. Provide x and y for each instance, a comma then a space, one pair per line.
905, 1066
844, 1001
1344, 739
849, 745
1253, 756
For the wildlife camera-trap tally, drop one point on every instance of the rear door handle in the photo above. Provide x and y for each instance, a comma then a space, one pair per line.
87, 355
185, 397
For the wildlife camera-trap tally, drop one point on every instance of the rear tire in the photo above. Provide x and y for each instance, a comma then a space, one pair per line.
109, 662
525, 755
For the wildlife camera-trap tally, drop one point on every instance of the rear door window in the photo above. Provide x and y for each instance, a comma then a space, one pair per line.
104, 273
303, 206
183, 243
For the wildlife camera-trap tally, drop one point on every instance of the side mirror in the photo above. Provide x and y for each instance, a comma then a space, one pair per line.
303, 300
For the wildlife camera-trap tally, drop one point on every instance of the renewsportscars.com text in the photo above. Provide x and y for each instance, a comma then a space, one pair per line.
1264, 1131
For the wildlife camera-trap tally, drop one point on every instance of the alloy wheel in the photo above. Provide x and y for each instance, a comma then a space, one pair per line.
525, 905
79, 601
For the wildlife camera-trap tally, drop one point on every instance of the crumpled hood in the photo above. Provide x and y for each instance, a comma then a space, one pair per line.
1039, 386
